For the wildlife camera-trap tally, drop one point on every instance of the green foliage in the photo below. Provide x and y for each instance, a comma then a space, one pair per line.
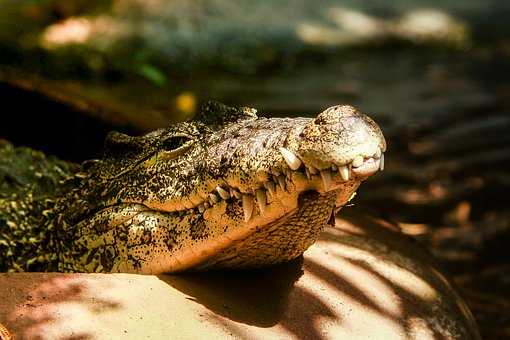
152, 73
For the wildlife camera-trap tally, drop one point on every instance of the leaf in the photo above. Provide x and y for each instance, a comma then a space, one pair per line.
153, 74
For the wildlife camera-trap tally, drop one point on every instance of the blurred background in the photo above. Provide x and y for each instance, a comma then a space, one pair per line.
434, 74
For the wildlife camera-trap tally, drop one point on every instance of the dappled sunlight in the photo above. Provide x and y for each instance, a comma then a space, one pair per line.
111, 306
55, 306
357, 286
356, 22
398, 264
426, 25
101, 31
397, 269
413, 229
419, 26
435, 191
70, 31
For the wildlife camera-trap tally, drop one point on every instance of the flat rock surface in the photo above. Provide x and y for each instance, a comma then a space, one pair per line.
361, 280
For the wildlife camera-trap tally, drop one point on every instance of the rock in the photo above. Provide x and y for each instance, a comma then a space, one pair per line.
361, 280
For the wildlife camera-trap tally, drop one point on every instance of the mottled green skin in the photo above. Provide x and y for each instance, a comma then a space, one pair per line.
152, 204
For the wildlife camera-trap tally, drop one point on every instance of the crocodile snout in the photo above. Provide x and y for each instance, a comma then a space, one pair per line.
341, 137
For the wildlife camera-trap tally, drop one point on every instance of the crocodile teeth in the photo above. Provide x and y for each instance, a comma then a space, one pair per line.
357, 161
292, 161
308, 175
270, 187
247, 206
334, 167
312, 170
326, 179
377, 153
344, 172
236, 194
275, 172
223, 193
207, 205
201, 208
281, 181
288, 183
381, 162
261, 200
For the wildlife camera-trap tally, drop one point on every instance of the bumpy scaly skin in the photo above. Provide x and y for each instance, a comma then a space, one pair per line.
226, 190
30, 182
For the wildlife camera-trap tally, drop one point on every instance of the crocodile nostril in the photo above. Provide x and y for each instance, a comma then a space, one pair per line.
334, 114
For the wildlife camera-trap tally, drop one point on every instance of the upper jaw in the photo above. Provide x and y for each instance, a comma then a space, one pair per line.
278, 195
335, 172
295, 174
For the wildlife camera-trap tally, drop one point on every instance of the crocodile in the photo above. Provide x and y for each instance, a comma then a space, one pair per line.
227, 189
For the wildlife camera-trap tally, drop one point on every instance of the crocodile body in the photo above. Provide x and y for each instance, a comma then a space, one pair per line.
225, 190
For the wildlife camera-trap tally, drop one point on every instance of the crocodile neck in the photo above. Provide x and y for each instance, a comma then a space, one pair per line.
30, 183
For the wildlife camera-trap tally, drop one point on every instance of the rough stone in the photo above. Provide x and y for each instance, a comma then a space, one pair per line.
362, 280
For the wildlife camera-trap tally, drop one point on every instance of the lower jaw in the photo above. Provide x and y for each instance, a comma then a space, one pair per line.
280, 241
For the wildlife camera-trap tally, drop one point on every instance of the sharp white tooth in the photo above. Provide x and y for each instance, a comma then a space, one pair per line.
201, 208
357, 161
326, 179
308, 175
223, 193
288, 183
236, 194
381, 162
344, 172
207, 205
269, 185
377, 153
247, 206
261, 200
281, 182
334, 167
292, 161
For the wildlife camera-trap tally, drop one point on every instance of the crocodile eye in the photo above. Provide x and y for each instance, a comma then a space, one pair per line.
173, 143
176, 145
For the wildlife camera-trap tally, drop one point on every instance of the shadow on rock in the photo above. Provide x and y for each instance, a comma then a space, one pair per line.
254, 297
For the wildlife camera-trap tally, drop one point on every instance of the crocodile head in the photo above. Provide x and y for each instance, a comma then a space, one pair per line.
226, 190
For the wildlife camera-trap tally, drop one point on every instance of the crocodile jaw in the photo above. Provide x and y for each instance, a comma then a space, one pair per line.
248, 246
304, 207
253, 246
